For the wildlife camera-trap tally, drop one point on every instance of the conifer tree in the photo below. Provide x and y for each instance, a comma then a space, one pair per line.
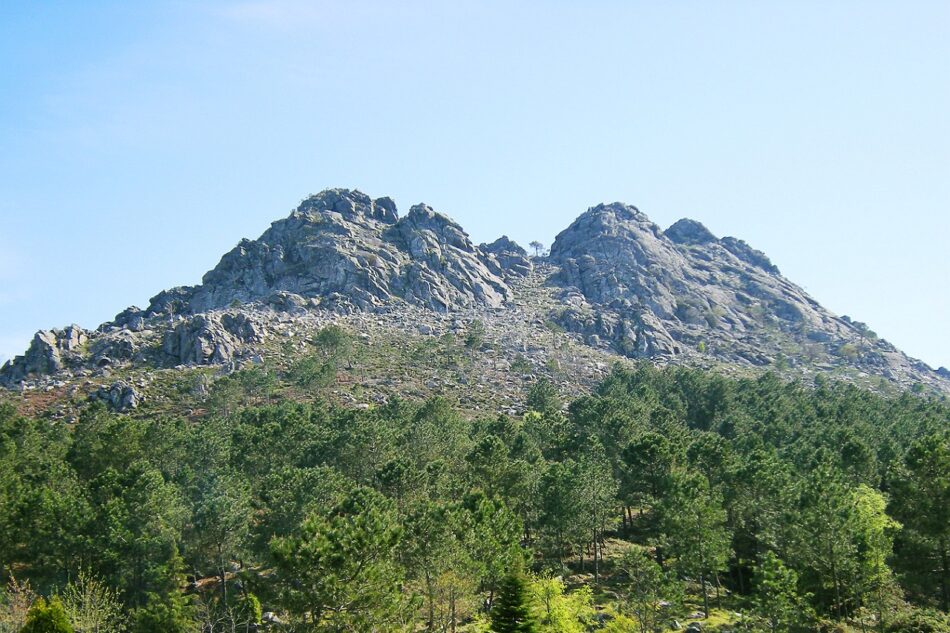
777, 600
511, 612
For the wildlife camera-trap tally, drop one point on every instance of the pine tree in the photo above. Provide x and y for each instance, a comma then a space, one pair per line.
777, 600
511, 612
166, 610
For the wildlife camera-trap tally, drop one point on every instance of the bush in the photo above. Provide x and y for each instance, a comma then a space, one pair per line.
521, 365
46, 617
333, 342
543, 397
475, 336
918, 621
313, 372
849, 351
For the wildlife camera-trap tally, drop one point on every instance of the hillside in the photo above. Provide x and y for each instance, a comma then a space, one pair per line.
361, 422
615, 287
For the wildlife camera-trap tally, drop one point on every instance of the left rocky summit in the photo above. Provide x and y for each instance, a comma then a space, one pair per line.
341, 246
339, 250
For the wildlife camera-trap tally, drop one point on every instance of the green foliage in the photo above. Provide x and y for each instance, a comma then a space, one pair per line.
646, 587
411, 514
164, 606
333, 342
252, 385
543, 397
693, 525
93, 606
521, 365
47, 617
875, 532
554, 326
221, 513
556, 611
165, 613
475, 336
848, 351
313, 372
918, 621
332, 346
340, 570
249, 608
512, 611
921, 501
777, 601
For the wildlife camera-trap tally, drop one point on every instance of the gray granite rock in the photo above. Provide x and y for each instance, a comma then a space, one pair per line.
49, 352
677, 288
120, 396
613, 279
688, 231
512, 260
342, 242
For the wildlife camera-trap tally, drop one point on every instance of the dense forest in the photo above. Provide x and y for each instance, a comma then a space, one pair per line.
666, 496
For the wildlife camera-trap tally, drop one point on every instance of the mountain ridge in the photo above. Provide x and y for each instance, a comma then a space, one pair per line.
620, 284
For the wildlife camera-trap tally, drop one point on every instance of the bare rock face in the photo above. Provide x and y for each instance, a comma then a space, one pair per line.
613, 277
445, 271
689, 232
748, 254
655, 292
510, 259
342, 242
210, 338
50, 351
120, 396
622, 265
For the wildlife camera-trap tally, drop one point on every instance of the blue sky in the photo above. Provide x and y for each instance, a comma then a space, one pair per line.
140, 141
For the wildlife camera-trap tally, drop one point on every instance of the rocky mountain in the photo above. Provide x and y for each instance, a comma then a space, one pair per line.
342, 247
614, 284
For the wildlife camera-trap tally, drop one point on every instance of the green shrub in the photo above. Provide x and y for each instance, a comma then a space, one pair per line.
543, 397
918, 621
521, 365
47, 617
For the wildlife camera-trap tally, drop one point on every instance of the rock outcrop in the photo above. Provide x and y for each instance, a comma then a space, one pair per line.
510, 258
211, 338
614, 278
50, 351
342, 242
120, 396
653, 292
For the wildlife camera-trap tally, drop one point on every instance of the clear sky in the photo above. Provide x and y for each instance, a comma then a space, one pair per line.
139, 141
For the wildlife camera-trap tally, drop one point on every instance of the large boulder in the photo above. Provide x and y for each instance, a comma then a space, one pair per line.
120, 396
689, 232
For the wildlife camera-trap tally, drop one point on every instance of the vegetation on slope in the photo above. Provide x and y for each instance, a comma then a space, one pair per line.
749, 504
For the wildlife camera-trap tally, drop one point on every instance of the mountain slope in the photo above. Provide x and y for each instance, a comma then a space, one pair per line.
614, 285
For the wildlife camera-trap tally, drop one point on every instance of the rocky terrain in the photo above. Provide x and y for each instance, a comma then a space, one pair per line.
614, 287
